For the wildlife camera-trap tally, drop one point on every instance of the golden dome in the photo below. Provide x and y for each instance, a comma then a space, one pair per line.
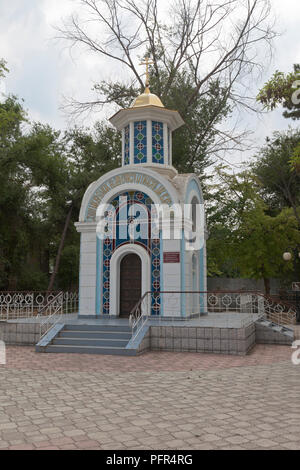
147, 99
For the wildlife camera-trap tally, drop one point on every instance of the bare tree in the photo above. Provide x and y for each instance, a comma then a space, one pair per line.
221, 41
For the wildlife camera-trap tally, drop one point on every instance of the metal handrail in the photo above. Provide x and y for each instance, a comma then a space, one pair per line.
47, 321
50, 302
29, 292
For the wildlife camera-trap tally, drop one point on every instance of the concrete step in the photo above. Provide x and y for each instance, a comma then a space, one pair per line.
91, 342
98, 328
65, 349
288, 332
96, 335
264, 322
108, 339
277, 328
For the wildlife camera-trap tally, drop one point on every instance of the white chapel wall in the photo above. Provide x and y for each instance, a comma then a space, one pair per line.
172, 281
88, 269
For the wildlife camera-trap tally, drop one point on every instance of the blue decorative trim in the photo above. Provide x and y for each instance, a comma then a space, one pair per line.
194, 185
111, 182
201, 279
111, 244
182, 275
157, 142
161, 272
98, 276
140, 142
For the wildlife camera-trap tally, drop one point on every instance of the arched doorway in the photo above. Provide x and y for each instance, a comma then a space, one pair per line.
130, 283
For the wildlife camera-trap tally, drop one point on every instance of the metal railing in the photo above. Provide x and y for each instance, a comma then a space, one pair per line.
51, 314
253, 305
16, 305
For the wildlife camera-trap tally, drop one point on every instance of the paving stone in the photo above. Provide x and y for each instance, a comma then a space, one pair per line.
237, 440
159, 400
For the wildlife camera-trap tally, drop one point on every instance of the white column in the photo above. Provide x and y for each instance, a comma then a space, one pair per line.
123, 146
131, 143
166, 145
205, 275
87, 274
149, 141
170, 149
172, 280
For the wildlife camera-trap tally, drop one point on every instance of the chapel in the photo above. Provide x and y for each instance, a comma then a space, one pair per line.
138, 224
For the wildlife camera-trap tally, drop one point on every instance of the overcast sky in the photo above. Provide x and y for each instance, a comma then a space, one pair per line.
42, 70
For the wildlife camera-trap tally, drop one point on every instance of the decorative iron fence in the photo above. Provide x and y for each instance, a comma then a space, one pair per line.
254, 304
17, 305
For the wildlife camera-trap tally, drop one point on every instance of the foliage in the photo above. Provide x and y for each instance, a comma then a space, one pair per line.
42, 173
295, 159
3, 68
244, 240
69, 269
280, 187
283, 89
253, 216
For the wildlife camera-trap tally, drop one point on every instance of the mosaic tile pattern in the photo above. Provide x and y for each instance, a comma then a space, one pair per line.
157, 142
151, 245
140, 142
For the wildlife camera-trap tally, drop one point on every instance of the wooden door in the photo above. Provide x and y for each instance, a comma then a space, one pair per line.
130, 283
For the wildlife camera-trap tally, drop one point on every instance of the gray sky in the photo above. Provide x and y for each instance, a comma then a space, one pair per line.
42, 70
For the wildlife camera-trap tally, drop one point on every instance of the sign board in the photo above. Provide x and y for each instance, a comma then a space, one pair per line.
172, 257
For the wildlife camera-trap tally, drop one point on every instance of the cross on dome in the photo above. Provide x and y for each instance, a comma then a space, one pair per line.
147, 98
147, 61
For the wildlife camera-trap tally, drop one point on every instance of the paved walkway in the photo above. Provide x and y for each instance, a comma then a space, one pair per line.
155, 401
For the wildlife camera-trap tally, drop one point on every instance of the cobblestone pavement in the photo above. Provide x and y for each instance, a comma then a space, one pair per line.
155, 401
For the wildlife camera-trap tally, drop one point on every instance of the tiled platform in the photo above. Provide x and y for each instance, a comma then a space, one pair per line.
225, 333
221, 320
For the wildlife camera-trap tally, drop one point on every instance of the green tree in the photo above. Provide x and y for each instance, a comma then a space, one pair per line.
31, 170
89, 154
3, 68
283, 89
43, 176
295, 159
244, 239
14, 195
280, 186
